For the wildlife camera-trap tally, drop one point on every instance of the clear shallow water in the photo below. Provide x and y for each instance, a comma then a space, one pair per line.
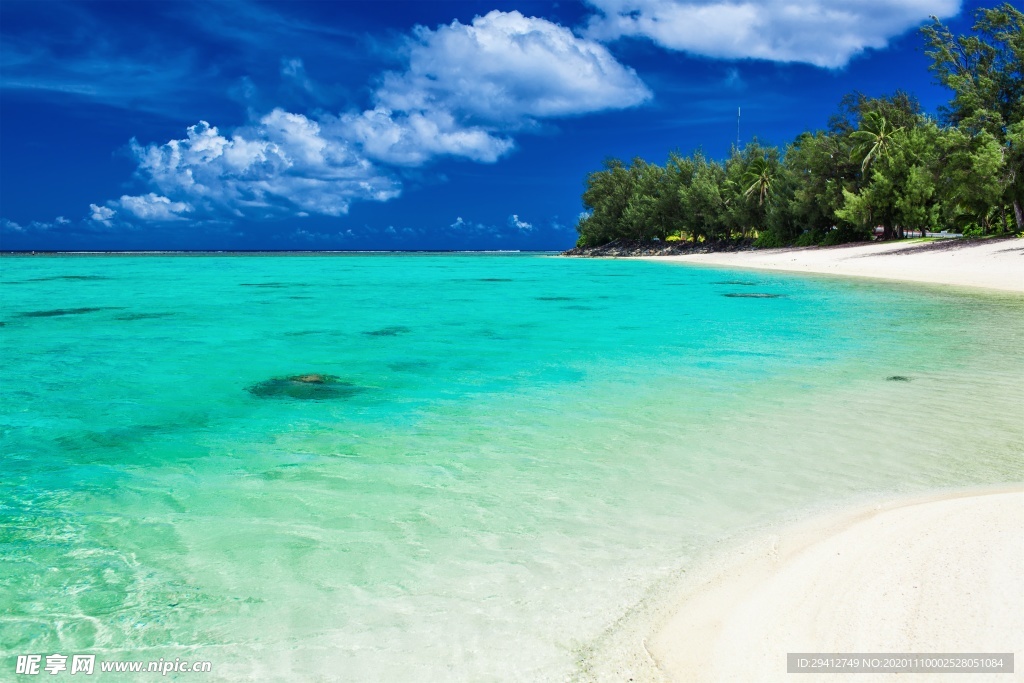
530, 444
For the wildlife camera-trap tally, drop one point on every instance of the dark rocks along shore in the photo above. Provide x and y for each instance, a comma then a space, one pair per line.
620, 248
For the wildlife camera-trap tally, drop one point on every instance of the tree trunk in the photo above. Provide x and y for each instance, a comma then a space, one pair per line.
1018, 213
1002, 212
887, 231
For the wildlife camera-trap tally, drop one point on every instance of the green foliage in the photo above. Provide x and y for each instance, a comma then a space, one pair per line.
702, 202
769, 240
843, 235
900, 110
858, 207
760, 174
970, 183
819, 167
881, 162
985, 71
606, 197
875, 139
973, 230
808, 239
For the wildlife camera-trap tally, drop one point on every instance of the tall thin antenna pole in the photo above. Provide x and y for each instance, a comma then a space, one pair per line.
737, 127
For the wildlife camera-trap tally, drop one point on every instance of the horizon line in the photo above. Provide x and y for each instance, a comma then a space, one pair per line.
164, 252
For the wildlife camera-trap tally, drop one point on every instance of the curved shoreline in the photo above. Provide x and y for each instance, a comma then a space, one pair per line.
996, 264
938, 573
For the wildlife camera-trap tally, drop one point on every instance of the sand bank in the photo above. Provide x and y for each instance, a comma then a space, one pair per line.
943, 575
991, 264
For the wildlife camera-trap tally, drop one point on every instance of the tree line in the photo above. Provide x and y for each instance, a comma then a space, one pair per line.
880, 162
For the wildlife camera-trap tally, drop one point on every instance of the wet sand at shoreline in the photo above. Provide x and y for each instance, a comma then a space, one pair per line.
992, 264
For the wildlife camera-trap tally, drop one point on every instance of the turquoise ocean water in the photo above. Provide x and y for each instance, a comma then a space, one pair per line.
519, 446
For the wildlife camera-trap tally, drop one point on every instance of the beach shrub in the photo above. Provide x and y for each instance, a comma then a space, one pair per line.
808, 239
843, 235
768, 240
973, 230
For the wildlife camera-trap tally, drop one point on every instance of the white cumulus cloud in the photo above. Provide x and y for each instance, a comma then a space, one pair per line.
514, 222
295, 71
411, 139
819, 32
57, 223
467, 86
101, 214
153, 207
505, 66
469, 227
281, 162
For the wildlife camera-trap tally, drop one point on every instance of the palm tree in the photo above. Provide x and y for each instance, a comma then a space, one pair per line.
758, 179
759, 175
874, 139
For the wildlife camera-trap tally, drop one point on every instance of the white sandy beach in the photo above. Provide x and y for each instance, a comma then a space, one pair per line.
990, 264
944, 574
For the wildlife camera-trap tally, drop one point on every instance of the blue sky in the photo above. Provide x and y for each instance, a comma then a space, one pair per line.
401, 125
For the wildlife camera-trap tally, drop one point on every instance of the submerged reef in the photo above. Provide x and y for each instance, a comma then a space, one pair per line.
308, 387
65, 311
141, 316
392, 331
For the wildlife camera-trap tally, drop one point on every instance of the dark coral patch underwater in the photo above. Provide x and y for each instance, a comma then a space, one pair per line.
308, 387
391, 331
141, 316
59, 277
65, 311
273, 285
411, 365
